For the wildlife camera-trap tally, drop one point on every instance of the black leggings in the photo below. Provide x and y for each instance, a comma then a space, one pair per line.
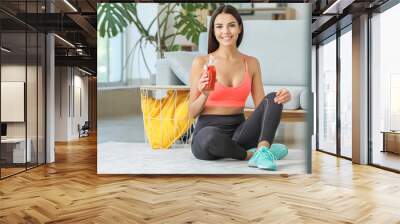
230, 136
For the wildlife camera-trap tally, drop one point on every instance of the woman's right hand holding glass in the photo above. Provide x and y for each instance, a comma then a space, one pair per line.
203, 81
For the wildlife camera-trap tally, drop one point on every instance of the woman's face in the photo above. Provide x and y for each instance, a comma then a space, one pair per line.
226, 29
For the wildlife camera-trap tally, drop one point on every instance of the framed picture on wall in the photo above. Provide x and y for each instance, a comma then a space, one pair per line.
244, 8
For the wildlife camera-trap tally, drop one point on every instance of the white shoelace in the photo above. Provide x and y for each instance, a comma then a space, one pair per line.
269, 153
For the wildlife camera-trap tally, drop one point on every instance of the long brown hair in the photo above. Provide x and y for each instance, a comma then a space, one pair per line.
212, 40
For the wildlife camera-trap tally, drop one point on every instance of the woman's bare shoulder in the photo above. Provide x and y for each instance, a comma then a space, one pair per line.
252, 61
199, 60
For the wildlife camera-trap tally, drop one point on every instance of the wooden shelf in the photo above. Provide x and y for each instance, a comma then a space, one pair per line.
287, 115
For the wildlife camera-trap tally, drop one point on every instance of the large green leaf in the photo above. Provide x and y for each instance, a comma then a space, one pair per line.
113, 18
187, 23
191, 7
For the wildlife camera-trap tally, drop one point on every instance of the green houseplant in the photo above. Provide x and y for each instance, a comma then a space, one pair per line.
114, 18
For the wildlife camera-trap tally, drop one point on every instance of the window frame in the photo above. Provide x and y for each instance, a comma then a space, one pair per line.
371, 14
122, 81
334, 37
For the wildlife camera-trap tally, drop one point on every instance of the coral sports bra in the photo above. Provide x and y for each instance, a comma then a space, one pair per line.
226, 96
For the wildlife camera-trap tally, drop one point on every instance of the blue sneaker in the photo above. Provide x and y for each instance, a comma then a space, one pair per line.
265, 159
279, 150
253, 159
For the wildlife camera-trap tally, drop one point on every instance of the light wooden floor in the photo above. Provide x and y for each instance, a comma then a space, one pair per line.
70, 191
10, 171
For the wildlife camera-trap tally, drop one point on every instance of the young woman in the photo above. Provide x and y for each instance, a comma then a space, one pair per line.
221, 130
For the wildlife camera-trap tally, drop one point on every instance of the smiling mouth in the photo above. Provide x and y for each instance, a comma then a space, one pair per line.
226, 38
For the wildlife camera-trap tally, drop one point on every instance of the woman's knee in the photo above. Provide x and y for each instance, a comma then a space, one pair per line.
269, 99
207, 135
202, 142
270, 96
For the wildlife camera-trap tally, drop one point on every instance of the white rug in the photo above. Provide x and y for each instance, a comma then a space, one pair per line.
139, 158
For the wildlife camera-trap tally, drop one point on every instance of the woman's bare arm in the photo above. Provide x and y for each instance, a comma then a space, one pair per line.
198, 80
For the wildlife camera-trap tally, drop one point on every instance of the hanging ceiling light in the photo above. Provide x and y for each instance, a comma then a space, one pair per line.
337, 7
64, 40
5, 50
84, 71
70, 5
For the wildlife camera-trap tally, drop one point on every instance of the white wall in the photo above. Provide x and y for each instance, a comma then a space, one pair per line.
15, 73
33, 126
79, 117
84, 84
69, 82
302, 13
12, 101
61, 103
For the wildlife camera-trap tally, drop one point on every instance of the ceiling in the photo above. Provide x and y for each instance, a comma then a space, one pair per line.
331, 15
74, 22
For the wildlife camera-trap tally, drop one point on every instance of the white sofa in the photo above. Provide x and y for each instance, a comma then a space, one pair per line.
282, 48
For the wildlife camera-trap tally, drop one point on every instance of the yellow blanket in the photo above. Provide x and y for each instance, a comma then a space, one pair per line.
166, 119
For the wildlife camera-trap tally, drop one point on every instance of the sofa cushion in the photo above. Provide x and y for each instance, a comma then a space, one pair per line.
293, 104
181, 63
165, 76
